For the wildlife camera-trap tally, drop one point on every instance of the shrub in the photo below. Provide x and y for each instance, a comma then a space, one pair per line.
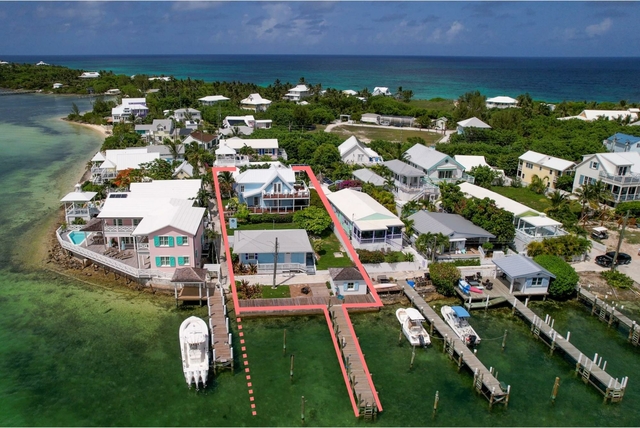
271, 218
444, 277
367, 256
313, 219
565, 246
564, 284
347, 184
408, 257
617, 279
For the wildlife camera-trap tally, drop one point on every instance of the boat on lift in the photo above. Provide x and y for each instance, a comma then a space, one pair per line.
457, 318
194, 345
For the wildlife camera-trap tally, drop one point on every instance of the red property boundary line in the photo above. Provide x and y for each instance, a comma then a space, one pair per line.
354, 257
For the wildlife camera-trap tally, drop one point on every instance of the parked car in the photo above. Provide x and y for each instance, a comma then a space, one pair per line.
606, 259
599, 233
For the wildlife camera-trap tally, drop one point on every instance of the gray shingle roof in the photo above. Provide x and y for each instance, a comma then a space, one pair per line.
189, 274
345, 274
451, 225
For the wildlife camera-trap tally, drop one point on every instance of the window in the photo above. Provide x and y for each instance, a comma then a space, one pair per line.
445, 174
536, 282
183, 261
165, 261
529, 165
250, 256
118, 222
163, 241
182, 240
136, 221
622, 170
277, 187
242, 188
593, 165
351, 285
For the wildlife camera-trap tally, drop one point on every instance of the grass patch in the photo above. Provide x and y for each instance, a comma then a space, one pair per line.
388, 134
280, 292
327, 259
524, 196
632, 238
263, 226
433, 104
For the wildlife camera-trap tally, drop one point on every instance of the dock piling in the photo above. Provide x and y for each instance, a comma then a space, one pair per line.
302, 409
413, 356
435, 403
554, 392
291, 369
504, 340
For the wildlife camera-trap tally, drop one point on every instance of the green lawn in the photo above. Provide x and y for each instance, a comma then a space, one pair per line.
433, 104
264, 226
327, 259
388, 134
524, 196
280, 292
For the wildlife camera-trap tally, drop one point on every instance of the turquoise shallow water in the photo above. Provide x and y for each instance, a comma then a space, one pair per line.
76, 354
550, 79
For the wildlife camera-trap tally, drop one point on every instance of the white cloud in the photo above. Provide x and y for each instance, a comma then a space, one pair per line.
455, 29
599, 29
186, 6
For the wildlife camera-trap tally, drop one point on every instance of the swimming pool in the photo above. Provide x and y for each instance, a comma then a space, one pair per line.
77, 237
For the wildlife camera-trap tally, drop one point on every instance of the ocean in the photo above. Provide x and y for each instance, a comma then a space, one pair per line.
85, 352
548, 79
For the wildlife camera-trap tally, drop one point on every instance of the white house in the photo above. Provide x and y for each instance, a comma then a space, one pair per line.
107, 165
380, 90
130, 107
246, 121
473, 122
620, 172
210, 100
274, 190
437, 167
591, 115
157, 131
347, 281
57, 85
90, 75
183, 114
620, 142
79, 206
352, 151
203, 139
547, 168
350, 92
501, 102
297, 93
255, 102
229, 152
408, 182
368, 224
525, 277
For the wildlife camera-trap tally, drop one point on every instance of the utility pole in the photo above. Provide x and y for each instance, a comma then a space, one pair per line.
275, 264
615, 256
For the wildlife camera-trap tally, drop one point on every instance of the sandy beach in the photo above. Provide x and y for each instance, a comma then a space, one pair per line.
98, 128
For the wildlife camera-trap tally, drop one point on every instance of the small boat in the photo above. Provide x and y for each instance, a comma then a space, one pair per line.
456, 317
411, 321
194, 344
464, 286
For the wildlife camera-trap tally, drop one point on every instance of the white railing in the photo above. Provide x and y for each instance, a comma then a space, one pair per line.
620, 179
143, 246
268, 267
78, 211
119, 229
109, 262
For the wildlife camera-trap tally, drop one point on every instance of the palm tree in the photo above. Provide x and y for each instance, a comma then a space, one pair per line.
226, 181
173, 146
585, 196
538, 184
557, 199
601, 194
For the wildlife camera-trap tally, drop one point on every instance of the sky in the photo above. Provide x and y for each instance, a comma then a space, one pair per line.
424, 28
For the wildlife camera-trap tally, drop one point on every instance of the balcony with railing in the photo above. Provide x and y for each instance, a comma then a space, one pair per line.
109, 228
631, 179
286, 267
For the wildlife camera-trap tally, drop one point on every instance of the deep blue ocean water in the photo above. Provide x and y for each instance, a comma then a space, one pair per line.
549, 79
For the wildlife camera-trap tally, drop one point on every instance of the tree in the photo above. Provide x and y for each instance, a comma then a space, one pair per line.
444, 277
325, 155
538, 184
566, 278
158, 169
226, 181
564, 182
565, 246
484, 175
312, 219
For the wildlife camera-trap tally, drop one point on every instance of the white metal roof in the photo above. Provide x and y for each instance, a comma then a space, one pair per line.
213, 98
540, 221
255, 99
398, 167
264, 241
425, 157
502, 100
469, 162
299, 88
265, 176
264, 143
134, 160
98, 157
78, 196
473, 122
363, 210
546, 161
178, 214
516, 208
611, 161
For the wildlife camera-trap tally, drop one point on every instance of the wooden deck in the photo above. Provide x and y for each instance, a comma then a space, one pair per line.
220, 333
304, 301
483, 379
610, 314
488, 298
592, 371
360, 381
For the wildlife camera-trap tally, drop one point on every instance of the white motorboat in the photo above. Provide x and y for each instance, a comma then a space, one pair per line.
456, 317
411, 321
194, 344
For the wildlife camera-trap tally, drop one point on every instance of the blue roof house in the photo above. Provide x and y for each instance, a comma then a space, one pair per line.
274, 190
619, 142
523, 275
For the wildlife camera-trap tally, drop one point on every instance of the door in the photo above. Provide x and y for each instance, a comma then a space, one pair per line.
287, 257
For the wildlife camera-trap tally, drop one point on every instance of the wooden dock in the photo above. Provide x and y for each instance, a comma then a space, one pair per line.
609, 314
221, 347
360, 381
592, 371
484, 380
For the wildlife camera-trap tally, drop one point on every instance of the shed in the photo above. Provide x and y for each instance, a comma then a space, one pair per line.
347, 281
